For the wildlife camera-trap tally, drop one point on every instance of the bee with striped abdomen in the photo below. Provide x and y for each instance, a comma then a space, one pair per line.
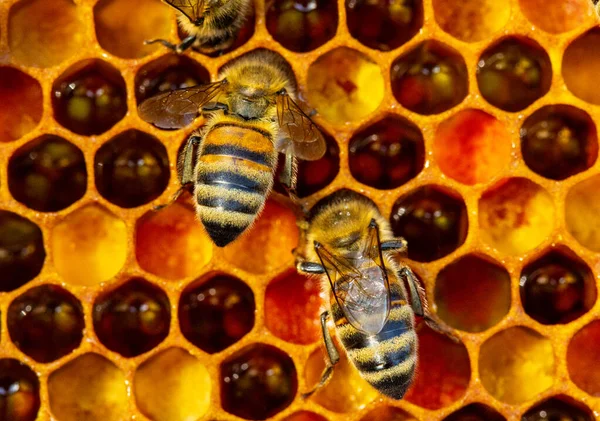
231, 162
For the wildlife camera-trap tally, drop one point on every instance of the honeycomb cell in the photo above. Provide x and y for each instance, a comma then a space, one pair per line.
305, 416
344, 85
89, 246
582, 212
89, 388
433, 221
133, 318
472, 293
582, 358
257, 382
131, 169
171, 243
472, 21
472, 147
475, 412
384, 24
89, 98
122, 26
43, 33
187, 381
558, 409
217, 313
302, 25
47, 174
514, 73
19, 391
556, 16
516, 365
21, 110
22, 251
292, 308
581, 64
46, 322
516, 215
430, 78
387, 154
388, 413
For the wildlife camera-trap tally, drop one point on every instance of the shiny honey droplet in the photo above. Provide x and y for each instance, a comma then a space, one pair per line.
555, 409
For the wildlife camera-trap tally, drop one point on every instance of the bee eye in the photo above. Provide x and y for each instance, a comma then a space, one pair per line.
282, 92
199, 21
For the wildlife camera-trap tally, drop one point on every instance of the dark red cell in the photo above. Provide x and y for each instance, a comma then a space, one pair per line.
475, 412
19, 391
555, 409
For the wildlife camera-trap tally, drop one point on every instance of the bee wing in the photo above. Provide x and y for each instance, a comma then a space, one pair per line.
190, 8
178, 108
307, 140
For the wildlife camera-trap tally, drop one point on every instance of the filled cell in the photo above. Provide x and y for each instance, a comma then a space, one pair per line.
89, 98
582, 358
46, 322
582, 212
89, 246
19, 391
472, 21
22, 252
581, 65
433, 222
344, 85
387, 413
89, 388
217, 313
558, 409
516, 215
21, 110
304, 416
475, 412
387, 154
47, 174
556, 16
516, 365
430, 78
513, 73
185, 380
257, 382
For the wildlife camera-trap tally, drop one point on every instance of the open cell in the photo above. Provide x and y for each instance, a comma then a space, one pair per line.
344, 85
475, 412
89, 246
46, 322
21, 110
185, 387
47, 174
89, 388
171, 242
516, 215
581, 65
387, 413
430, 78
516, 365
560, 408
19, 391
305, 416
471, 21
472, 293
43, 33
472, 147
582, 358
582, 212
316, 175
556, 16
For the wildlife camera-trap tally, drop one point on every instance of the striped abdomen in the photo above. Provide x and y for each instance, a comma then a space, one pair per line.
234, 174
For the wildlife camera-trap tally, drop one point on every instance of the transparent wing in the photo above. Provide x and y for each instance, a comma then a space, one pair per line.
190, 8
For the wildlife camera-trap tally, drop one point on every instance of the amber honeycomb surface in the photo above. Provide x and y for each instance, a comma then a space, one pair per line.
473, 127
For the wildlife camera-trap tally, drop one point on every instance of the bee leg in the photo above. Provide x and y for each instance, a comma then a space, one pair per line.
398, 245
311, 268
289, 175
179, 48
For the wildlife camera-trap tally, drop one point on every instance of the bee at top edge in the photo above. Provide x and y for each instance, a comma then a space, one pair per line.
349, 245
231, 162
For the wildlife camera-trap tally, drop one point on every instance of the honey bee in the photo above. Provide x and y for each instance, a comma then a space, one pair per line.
211, 25
596, 4
252, 116
351, 247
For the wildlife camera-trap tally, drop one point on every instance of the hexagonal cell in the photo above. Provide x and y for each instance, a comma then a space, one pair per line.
131, 169
516, 215
47, 174
89, 98
388, 413
217, 313
471, 147
89, 388
19, 391
559, 408
430, 216
582, 358
387, 154
133, 318
184, 377
581, 65
42, 33
89, 246
516, 365
475, 412
22, 251
472, 21
172, 243
513, 73
46, 322
122, 26
556, 16
21, 96
301, 25
472, 293
430, 78
292, 308
383, 24
304, 416
344, 85
582, 212
257, 382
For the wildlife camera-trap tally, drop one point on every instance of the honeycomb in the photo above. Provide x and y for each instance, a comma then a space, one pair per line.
471, 124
